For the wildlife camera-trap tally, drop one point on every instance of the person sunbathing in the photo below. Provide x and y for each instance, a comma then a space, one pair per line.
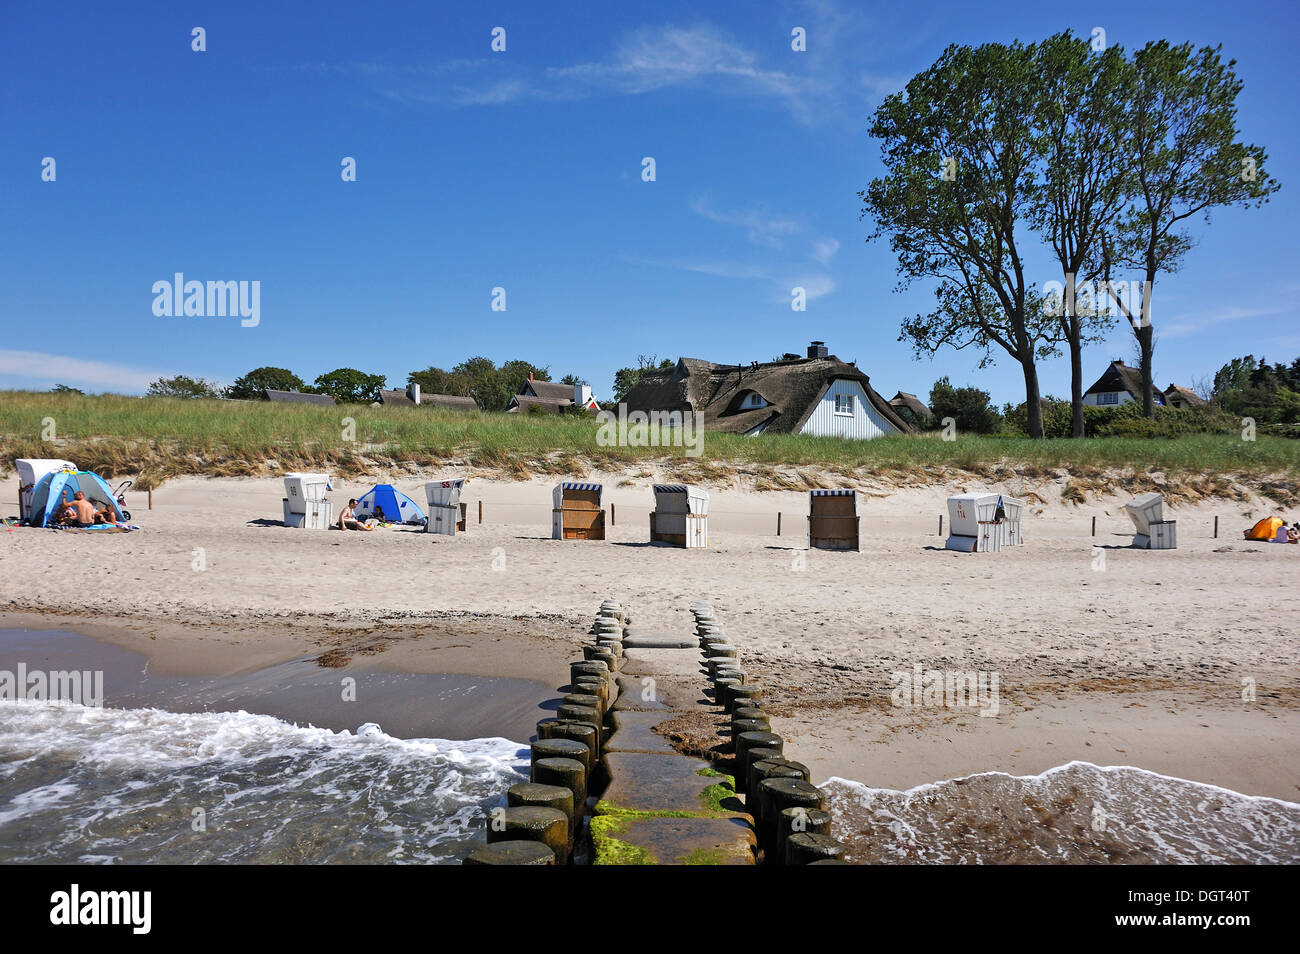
348, 518
80, 511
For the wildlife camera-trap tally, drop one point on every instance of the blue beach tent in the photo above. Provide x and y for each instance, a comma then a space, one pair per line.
396, 506
54, 489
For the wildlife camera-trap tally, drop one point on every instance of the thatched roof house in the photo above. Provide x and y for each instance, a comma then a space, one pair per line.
1181, 397
551, 396
911, 409
819, 395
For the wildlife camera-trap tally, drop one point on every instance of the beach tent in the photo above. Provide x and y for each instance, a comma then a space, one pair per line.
30, 471
577, 513
446, 512
1266, 529
833, 519
680, 516
396, 506
51, 490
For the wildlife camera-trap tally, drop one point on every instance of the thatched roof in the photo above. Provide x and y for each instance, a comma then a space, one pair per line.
547, 390
906, 403
790, 389
1119, 378
1176, 394
395, 397
296, 397
524, 403
455, 402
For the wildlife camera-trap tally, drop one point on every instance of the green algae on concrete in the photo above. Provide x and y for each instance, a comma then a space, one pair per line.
610, 850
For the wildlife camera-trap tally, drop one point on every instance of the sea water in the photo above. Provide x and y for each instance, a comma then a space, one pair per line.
131, 785
1078, 813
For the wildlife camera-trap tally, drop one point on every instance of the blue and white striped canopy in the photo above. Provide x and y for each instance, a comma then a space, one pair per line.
833, 493
670, 488
568, 485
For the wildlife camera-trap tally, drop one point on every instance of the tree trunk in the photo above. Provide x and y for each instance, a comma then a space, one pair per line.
1033, 405
1076, 377
1146, 346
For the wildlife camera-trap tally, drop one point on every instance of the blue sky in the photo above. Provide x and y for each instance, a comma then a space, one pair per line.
522, 169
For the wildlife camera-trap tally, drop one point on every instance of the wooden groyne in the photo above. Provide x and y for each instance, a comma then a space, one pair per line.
609, 786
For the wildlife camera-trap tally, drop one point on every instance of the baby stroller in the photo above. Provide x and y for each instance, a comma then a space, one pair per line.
120, 495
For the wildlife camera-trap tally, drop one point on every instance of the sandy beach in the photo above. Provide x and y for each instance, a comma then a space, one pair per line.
1103, 654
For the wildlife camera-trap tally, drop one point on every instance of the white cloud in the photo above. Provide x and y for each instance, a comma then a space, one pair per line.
824, 249
1190, 324
761, 228
49, 369
647, 60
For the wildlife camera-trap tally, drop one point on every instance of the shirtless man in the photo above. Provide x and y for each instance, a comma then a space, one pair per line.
80, 510
348, 518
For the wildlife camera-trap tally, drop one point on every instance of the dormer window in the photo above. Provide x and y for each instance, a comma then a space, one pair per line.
752, 400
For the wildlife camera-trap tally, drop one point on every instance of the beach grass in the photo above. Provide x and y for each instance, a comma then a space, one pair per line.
156, 438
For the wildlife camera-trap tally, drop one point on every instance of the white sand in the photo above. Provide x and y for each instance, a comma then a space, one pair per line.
816, 626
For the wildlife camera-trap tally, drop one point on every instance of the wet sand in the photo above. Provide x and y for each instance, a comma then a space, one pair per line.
298, 691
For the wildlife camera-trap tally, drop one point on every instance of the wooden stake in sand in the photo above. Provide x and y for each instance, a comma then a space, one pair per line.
1094, 525
940, 524
480, 511
1216, 528
151, 502
778, 523
613, 515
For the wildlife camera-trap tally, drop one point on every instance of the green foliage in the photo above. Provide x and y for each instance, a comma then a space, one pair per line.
64, 389
182, 386
968, 406
350, 386
1270, 394
480, 378
1124, 420
250, 386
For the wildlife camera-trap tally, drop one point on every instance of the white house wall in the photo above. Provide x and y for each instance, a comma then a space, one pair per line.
1090, 399
865, 422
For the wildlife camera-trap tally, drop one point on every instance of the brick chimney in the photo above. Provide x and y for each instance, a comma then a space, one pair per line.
413, 392
817, 349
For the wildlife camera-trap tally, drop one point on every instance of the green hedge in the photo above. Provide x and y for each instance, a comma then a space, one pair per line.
1125, 420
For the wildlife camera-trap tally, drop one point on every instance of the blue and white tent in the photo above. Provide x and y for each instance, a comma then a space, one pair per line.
54, 490
392, 504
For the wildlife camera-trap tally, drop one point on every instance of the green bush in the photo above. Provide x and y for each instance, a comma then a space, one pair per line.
1124, 420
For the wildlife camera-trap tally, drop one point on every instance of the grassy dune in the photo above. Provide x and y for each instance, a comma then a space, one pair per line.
156, 438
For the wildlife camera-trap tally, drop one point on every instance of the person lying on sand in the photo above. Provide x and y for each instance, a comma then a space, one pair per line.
80, 511
348, 518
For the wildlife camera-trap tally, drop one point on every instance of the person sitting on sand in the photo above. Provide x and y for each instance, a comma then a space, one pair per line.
107, 515
348, 518
1293, 533
80, 511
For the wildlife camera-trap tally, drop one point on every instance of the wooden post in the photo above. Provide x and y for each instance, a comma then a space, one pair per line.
1216, 519
1094, 525
613, 515
480, 510
778, 523
940, 524
1216, 527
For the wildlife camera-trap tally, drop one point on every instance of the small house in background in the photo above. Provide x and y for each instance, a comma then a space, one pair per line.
296, 397
1120, 384
912, 409
1181, 398
551, 397
412, 397
818, 395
